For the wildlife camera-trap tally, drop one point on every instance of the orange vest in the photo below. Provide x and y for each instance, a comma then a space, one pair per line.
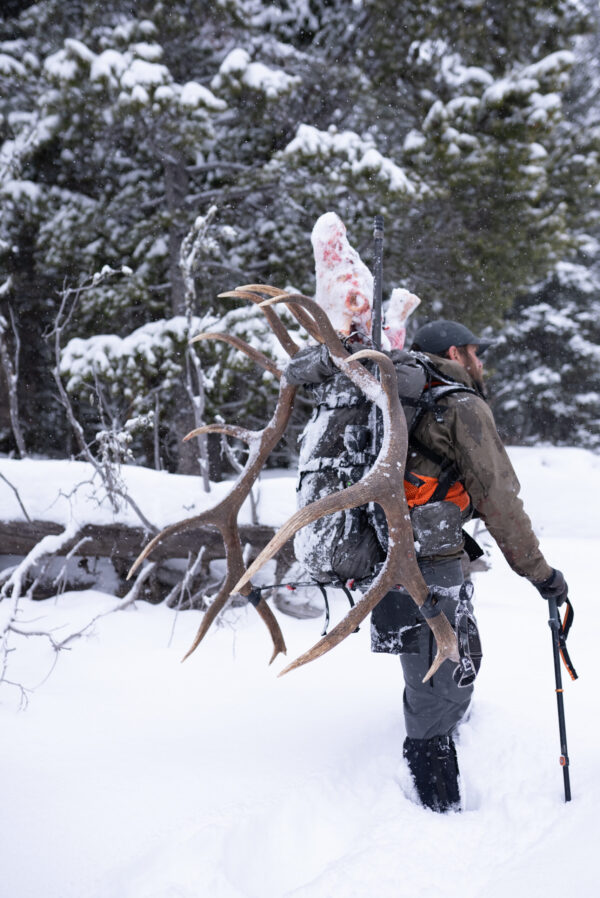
419, 495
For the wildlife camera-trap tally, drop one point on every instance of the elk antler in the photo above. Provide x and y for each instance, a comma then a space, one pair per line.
384, 484
274, 323
255, 354
224, 515
297, 311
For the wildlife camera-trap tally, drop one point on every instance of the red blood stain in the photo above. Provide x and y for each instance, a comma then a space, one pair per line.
356, 301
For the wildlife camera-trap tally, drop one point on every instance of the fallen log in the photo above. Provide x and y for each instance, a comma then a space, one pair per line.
122, 544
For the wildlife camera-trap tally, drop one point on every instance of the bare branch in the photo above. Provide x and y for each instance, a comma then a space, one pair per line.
49, 545
191, 248
183, 587
16, 492
217, 164
156, 432
129, 599
60, 579
106, 471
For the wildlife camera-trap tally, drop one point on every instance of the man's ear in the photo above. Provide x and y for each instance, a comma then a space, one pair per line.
453, 353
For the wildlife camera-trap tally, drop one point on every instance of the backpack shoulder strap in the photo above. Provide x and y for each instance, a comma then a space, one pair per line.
436, 387
430, 401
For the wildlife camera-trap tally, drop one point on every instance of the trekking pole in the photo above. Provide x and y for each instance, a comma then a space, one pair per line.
555, 627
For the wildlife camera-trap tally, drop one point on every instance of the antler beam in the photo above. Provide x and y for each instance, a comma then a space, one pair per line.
384, 484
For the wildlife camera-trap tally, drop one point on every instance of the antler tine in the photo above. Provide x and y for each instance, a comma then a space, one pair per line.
327, 332
171, 530
255, 354
306, 321
350, 497
235, 564
223, 518
383, 583
384, 484
224, 514
217, 606
274, 323
440, 625
298, 312
228, 430
266, 289
227, 509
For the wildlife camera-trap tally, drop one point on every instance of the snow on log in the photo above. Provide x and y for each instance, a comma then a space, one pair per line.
117, 541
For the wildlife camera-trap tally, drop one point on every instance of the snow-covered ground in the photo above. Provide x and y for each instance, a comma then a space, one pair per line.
133, 776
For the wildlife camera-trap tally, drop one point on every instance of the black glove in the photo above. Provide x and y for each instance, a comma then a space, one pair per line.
555, 587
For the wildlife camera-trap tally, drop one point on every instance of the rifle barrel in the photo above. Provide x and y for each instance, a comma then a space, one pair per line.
377, 279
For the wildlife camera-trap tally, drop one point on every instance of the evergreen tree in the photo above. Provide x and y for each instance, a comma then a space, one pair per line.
547, 361
123, 121
546, 387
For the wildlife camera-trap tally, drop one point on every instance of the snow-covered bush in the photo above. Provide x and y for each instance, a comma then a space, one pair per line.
139, 378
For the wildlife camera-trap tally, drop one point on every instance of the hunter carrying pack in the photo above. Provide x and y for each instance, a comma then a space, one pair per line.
339, 445
337, 449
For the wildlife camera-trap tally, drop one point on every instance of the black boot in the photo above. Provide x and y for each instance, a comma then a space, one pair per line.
434, 767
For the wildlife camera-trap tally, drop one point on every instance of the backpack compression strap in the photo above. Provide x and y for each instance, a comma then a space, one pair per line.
448, 473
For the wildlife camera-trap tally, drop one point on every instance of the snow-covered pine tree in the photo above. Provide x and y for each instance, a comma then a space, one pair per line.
122, 122
546, 386
466, 99
121, 158
547, 361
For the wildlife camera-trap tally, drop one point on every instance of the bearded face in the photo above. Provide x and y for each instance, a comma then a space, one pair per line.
468, 358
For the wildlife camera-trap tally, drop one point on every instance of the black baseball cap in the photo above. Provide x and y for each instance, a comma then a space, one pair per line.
439, 336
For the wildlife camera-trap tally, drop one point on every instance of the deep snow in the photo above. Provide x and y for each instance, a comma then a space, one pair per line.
133, 776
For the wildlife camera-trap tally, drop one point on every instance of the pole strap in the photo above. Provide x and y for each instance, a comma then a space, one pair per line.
326, 600
561, 636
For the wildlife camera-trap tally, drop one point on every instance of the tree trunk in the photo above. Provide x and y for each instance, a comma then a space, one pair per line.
11, 374
176, 187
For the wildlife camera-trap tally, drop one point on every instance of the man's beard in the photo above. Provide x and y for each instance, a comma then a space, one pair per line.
480, 386
479, 383
474, 373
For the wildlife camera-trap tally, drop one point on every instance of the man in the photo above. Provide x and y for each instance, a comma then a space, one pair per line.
454, 445
456, 467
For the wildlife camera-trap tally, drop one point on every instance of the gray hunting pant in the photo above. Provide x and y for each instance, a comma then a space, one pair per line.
436, 707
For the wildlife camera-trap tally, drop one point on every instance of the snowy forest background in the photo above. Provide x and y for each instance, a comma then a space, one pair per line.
153, 155
125, 126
